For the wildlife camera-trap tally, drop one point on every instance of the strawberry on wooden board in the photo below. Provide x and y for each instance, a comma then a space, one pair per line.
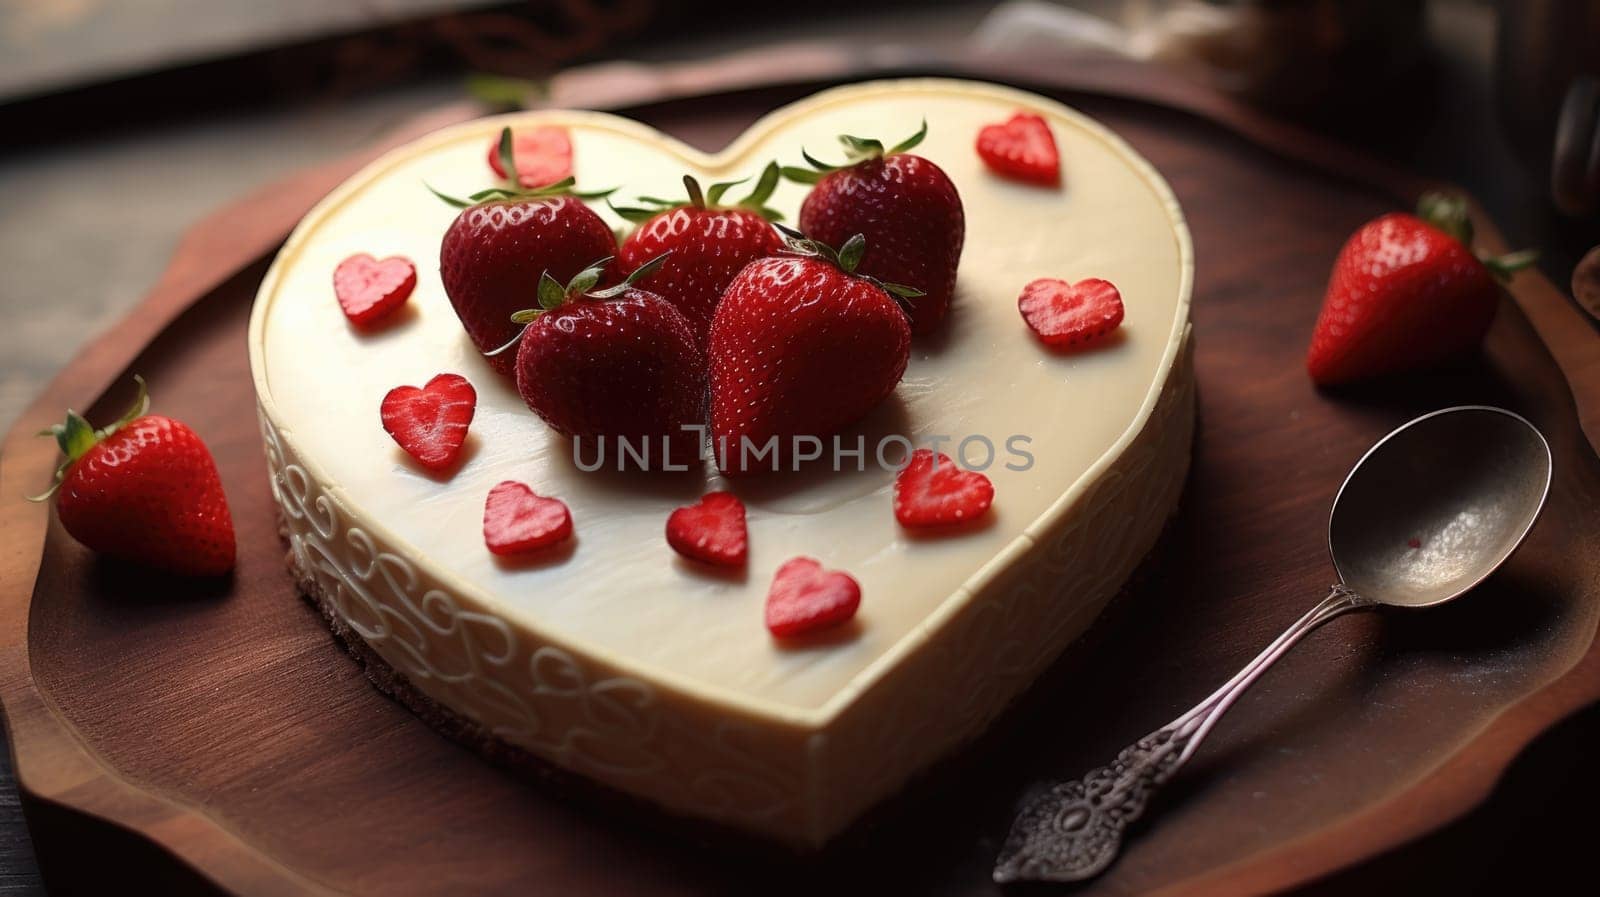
905, 206
801, 345
517, 520
144, 489
1022, 148
709, 242
1066, 314
431, 423
933, 491
712, 530
540, 155
805, 598
613, 364
369, 290
1407, 292
499, 246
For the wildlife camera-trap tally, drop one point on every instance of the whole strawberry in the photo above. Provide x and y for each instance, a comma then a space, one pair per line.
709, 243
1406, 292
144, 489
609, 365
904, 205
801, 345
495, 251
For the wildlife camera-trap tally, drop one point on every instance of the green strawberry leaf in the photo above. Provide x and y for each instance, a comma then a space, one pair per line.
448, 199
859, 149
850, 253
508, 159
717, 191
910, 142
801, 175
638, 274
551, 293
584, 280
765, 186
633, 214
647, 269
900, 290
75, 436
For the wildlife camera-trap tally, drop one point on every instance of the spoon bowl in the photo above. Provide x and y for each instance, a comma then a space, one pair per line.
1437, 505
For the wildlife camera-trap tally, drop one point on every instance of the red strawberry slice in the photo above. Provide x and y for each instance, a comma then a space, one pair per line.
1066, 314
806, 598
517, 520
934, 491
431, 423
1021, 149
543, 156
370, 290
712, 530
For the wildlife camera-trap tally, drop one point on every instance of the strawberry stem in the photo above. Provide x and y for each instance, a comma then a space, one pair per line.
552, 295
692, 187
1447, 213
506, 150
846, 258
1452, 215
1504, 266
711, 198
76, 436
856, 151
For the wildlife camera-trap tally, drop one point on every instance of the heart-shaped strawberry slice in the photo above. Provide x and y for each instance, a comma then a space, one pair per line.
713, 530
543, 156
1022, 149
933, 491
518, 520
1066, 314
369, 290
806, 598
431, 423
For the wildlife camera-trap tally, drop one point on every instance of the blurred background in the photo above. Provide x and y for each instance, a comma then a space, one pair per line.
122, 122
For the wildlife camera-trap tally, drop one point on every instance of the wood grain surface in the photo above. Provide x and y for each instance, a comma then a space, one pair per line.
223, 725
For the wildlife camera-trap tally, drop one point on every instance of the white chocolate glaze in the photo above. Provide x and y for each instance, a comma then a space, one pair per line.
618, 660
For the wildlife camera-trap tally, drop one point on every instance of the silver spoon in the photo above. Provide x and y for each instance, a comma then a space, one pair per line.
1425, 515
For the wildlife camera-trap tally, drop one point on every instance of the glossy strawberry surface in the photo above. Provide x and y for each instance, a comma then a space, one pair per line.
493, 255
911, 215
709, 247
1403, 295
150, 493
798, 347
625, 367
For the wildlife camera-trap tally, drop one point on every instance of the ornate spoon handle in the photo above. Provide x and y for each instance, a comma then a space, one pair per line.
1072, 831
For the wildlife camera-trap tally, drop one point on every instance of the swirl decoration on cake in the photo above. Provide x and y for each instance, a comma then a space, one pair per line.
537, 697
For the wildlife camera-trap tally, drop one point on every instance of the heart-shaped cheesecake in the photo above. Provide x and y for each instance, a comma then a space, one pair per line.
616, 659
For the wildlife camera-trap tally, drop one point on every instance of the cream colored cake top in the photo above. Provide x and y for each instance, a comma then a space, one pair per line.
619, 591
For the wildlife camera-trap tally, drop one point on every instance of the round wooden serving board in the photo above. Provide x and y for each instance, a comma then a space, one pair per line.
215, 736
